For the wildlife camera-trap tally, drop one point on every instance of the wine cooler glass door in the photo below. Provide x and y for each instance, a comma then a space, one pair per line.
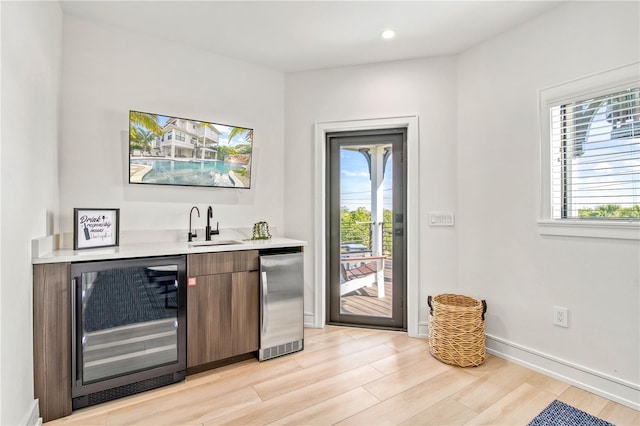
128, 321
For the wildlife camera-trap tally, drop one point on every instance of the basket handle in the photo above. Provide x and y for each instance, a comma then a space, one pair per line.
484, 307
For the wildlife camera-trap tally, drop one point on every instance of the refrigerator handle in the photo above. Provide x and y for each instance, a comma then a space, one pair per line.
263, 285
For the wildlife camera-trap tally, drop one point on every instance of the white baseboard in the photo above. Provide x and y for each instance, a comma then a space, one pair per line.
612, 388
310, 321
423, 329
32, 416
618, 390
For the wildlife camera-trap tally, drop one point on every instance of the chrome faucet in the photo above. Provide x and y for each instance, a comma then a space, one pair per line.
208, 232
192, 235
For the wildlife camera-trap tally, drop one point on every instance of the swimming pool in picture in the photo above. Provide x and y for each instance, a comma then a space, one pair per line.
184, 172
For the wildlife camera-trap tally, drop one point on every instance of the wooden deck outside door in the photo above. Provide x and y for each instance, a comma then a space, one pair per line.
366, 201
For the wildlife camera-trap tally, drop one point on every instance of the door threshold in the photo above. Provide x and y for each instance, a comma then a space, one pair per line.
373, 327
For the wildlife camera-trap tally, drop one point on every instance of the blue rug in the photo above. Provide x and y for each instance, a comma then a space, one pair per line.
560, 414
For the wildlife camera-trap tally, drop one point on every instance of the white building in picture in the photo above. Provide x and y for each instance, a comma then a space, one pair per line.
183, 138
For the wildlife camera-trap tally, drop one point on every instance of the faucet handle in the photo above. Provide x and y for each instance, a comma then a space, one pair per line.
192, 235
217, 230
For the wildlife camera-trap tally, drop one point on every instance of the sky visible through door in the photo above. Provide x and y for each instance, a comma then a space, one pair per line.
355, 182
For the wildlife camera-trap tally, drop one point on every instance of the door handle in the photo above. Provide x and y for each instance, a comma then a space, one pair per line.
398, 232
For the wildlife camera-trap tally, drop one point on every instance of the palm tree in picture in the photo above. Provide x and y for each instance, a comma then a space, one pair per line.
236, 131
141, 138
143, 119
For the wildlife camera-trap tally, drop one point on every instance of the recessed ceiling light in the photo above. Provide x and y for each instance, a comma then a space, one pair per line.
388, 34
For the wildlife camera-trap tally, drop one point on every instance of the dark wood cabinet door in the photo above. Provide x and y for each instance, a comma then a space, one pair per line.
52, 339
245, 311
209, 319
223, 306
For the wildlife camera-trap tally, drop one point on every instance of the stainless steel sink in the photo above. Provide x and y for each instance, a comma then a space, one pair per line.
214, 243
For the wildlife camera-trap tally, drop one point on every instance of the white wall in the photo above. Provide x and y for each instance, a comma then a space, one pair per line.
501, 256
426, 88
107, 72
31, 44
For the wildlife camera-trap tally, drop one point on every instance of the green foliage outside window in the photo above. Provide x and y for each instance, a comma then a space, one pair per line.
356, 228
610, 211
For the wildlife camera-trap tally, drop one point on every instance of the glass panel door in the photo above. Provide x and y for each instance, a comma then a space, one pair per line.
366, 223
128, 321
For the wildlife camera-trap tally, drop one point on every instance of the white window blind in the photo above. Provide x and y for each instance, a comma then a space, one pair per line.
595, 164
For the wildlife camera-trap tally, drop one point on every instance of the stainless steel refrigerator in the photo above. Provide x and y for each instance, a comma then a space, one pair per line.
281, 304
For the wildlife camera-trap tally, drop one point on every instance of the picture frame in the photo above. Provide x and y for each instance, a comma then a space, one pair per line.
179, 151
95, 227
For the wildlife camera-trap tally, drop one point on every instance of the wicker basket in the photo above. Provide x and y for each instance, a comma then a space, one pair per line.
456, 329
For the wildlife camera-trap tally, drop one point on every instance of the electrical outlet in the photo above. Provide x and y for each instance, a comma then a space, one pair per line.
560, 316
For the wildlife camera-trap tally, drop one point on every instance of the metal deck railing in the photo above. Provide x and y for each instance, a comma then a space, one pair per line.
356, 237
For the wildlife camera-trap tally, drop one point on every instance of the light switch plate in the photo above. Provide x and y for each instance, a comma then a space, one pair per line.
441, 219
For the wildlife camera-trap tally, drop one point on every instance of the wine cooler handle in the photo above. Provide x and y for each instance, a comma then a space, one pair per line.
263, 309
74, 328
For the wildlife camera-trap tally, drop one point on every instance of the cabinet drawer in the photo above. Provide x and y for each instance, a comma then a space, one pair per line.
223, 262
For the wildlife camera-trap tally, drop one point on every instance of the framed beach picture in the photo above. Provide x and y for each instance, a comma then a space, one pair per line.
95, 228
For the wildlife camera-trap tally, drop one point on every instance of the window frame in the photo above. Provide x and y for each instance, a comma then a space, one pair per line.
592, 86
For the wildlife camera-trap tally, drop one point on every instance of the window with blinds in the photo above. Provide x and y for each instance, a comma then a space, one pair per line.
595, 146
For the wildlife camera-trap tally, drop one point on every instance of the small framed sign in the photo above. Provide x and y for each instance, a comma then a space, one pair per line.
95, 228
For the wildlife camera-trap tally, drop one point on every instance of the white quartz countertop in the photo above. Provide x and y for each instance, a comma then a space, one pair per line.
159, 249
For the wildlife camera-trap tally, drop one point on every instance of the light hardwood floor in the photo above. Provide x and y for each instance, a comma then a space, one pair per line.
353, 376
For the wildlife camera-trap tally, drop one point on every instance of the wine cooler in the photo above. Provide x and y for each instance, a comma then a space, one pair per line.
129, 327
